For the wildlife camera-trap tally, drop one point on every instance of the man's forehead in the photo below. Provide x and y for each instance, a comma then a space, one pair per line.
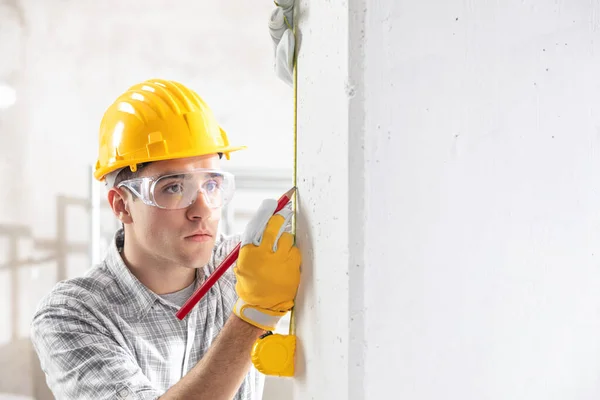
182, 164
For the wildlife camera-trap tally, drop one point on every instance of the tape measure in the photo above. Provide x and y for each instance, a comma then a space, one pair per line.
273, 353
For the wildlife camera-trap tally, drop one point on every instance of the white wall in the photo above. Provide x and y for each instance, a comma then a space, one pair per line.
330, 212
480, 215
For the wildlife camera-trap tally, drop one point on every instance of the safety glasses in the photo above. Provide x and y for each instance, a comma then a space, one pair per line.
180, 190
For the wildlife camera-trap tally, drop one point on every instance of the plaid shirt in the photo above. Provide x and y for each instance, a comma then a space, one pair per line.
107, 336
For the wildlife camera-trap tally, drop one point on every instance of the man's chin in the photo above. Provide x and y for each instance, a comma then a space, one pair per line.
199, 255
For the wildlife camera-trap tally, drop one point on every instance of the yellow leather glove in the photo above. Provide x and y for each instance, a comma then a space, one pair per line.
267, 269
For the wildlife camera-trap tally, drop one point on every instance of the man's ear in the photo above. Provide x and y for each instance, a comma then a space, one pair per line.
119, 203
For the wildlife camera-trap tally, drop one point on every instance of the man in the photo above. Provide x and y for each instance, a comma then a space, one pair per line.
113, 333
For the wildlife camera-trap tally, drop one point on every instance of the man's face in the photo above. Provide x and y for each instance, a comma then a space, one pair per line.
181, 237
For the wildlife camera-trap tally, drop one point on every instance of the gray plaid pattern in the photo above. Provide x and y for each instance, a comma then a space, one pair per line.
106, 336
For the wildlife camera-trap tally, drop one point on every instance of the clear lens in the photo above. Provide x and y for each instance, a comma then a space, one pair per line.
182, 189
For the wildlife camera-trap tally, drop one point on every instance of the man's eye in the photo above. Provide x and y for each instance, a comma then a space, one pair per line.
211, 186
175, 188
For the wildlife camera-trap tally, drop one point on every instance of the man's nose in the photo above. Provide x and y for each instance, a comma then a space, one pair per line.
200, 209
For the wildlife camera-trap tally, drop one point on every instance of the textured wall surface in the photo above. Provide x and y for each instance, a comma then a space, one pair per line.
330, 201
479, 260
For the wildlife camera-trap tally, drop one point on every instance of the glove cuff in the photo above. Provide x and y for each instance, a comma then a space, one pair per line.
259, 317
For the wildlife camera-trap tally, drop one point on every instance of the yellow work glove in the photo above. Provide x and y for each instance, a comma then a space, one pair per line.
267, 269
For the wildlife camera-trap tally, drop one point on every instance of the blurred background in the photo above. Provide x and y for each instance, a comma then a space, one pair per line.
62, 62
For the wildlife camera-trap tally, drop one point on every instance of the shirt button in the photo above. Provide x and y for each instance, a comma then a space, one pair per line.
123, 393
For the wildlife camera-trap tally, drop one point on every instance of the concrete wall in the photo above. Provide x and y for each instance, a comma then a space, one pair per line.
473, 128
330, 214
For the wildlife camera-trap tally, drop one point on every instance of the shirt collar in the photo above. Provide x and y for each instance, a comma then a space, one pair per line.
135, 292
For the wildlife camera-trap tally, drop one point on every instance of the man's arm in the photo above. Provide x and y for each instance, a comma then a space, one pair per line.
268, 275
82, 360
222, 369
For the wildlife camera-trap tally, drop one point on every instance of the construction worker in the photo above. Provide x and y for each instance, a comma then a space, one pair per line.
113, 333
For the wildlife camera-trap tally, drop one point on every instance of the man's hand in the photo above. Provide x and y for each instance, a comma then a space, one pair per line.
268, 268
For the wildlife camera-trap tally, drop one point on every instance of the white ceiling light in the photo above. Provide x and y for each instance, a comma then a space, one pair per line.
8, 95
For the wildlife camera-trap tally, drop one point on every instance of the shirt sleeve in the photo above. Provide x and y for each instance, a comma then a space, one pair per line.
82, 361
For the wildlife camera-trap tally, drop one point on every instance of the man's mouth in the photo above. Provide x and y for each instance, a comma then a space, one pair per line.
201, 236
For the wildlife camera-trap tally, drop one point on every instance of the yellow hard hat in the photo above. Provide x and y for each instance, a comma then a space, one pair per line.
157, 120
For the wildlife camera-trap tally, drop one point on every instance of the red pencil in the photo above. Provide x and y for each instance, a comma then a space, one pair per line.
225, 264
